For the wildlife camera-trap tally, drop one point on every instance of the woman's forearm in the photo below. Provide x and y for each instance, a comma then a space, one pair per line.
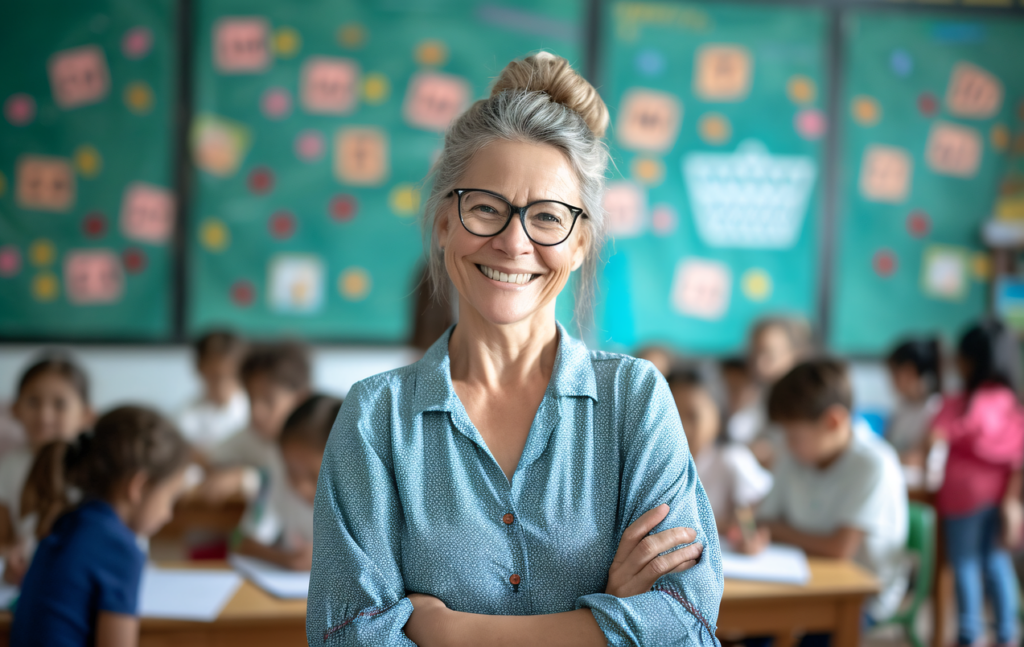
569, 629
1014, 487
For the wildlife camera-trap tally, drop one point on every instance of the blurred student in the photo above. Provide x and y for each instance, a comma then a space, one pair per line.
661, 356
743, 400
222, 409
838, 492
915, 367
281, 532
732, 478
83, 585
984, 426
52, 404
276, 378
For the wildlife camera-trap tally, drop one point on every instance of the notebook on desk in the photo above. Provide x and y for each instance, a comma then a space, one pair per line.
186, 594
278, 582
777, 563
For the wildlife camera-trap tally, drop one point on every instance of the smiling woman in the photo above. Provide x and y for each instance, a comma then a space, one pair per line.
513, 487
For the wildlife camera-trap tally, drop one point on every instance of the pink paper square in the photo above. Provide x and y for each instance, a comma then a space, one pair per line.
147, 213
433, 100
701, 288
240, 45
79, 76
329, 85
93, 276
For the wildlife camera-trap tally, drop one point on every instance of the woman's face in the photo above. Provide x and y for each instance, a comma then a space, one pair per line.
522, 173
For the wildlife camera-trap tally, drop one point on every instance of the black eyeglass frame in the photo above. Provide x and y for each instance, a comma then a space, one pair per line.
513, 209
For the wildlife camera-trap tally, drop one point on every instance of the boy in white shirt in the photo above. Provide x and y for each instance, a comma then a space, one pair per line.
223, 408
838, 492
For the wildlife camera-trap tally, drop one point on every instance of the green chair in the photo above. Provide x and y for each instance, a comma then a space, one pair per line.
920, 544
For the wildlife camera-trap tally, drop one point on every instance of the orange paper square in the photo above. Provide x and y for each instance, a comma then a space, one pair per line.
649, 120
953, 150
722, 73
973, 92
45, 183
361, 156
885, 174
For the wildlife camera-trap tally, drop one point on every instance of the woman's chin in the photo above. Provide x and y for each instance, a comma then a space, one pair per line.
503, 311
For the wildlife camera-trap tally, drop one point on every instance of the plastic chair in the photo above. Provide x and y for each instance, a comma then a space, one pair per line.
920, 544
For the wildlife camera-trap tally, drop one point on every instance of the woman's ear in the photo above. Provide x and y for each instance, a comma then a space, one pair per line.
443, 224
582, 248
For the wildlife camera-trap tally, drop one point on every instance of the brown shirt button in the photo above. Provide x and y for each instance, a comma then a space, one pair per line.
514, 580
508, 518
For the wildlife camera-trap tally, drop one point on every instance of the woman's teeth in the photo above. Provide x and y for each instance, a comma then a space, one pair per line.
519, 279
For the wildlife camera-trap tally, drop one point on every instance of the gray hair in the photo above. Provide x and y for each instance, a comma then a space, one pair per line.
523, 116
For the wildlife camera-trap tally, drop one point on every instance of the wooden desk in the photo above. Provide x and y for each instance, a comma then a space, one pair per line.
830, 603
251, 619
195, 514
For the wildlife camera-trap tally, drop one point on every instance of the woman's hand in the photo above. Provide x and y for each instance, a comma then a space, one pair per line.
428, 621
1011, 514
638, 563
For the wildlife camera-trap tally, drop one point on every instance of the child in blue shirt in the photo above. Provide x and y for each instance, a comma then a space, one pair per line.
82, 587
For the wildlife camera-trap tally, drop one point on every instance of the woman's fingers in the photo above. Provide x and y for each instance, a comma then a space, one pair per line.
677, 560
651, 546
639, 529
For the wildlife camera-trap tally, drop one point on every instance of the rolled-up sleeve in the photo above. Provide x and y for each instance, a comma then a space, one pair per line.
682, 608
356, 592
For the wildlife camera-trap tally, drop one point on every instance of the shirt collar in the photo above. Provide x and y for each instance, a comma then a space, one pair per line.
573, 374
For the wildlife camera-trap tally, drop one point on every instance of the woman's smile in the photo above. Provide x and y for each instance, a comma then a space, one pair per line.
505, 277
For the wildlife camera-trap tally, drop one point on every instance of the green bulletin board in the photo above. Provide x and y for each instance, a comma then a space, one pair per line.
717, 131
927, 111
315, 122
87, 213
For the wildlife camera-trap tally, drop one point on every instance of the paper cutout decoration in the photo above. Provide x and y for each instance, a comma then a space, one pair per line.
756, 284
953, 150
354, 283
901, 62
625, 206
214, 235
663, 219
376, 88
884, 263
240, 45
329, 85
723, 73
282, 225
296, 283
286, 42
650, 62
701, 288
647, 170
918, 224
944, 272
404, 200
927, 104
885, 174
999, 135
45, 183
750, 198
361, 156
276, 103
134, 260
352, 35
800, 89
94, 225
42, 252
20, 109
343, 207
810, 124
147, 213
243, 293
433, 100
866, 110
714, 128
973, 93
45, 287
218, 145
261, 180
79, 76
431, 52
10, 261
138, 97
309, 146
649, 120
88, 161
137, 42
93, 276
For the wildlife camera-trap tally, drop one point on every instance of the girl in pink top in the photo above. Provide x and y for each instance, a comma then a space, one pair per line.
985, 429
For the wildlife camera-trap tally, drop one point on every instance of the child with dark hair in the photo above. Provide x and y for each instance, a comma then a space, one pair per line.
281, 531
82, 587
838, 492
916, 370
979, 500
52, 404
222, 409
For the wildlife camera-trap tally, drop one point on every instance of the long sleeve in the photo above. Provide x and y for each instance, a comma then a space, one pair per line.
682, 608
356, 592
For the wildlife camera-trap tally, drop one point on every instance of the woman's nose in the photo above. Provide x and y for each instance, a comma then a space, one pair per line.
514, 241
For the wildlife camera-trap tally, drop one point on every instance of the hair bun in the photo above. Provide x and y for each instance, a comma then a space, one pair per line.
552, 75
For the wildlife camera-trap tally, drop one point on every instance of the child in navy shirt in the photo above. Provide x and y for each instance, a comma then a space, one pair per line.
83, 584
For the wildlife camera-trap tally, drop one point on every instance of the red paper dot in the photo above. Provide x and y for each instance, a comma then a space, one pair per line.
282, 225
927, 104
243, 293
344, 208
134, 260
918, 224
94, 225
261, 180
884, 263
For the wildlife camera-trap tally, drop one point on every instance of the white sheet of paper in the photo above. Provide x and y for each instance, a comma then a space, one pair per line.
186, 594
778, 563
278, 582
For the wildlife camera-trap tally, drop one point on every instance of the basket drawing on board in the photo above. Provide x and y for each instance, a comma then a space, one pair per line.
749, 198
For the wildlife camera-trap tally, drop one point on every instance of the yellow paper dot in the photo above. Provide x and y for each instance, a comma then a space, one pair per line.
352, 35
801, 89
214, 235
88, 161
3, 184
866, 110
431, 52
376, 88
1000, 137
649, 171
757, 284
45, 286
981, 267
42, 252
404, 200
138, 97
286, 42
714, 128
354, 283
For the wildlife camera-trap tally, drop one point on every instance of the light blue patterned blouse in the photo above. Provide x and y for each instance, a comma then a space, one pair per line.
411, 500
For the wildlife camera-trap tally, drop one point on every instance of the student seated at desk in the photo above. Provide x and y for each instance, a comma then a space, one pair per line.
83, 585
276, 379
52, 404
731, 476
838, 492
281, 531
223, 408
